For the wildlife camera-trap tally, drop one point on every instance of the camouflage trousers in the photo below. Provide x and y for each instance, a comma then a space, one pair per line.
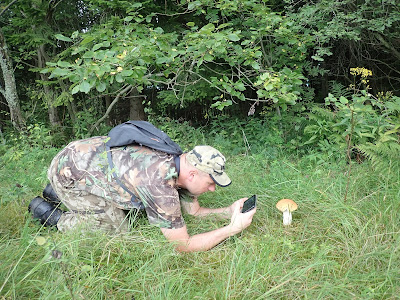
87, 210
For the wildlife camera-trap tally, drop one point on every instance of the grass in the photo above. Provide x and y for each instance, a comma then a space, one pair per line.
333, 249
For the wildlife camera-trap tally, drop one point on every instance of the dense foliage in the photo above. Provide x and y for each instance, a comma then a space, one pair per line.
325, 74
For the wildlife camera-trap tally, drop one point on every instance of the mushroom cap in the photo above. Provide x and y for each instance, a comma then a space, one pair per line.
286, 204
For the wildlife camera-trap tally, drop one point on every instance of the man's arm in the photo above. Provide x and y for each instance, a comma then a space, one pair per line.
193, 208
207, 240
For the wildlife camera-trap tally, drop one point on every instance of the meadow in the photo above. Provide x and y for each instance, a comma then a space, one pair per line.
336, 248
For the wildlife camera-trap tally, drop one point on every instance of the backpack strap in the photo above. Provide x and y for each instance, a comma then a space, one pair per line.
136, 205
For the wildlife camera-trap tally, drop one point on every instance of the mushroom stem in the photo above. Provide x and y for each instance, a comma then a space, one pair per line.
287, 217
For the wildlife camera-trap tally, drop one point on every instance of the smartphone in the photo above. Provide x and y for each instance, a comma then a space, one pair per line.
249, 204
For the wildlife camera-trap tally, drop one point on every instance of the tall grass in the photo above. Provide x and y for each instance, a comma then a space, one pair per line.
333, 250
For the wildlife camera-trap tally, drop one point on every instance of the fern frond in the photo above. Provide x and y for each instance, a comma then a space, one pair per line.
318, 112
339, 90
383, 155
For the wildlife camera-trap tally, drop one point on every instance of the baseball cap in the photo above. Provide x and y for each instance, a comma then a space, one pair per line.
210, 161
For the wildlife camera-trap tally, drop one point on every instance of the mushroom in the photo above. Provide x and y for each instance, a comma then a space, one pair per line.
286, 206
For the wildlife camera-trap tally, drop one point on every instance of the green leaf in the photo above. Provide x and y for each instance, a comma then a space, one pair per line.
119, 78
97, 46
84, 87
268, 86
190, 24
316, 57
343, 100
149, 18
62, 38
255, 65
258, 54
192, 5
59, 73
128, 19
240, 86
75, 34
233, 37
207, 29
87, 40
126, 73
162, 60
63, 64
101, 86
159, 30
221, 104
75, 89
88, 54
208, 57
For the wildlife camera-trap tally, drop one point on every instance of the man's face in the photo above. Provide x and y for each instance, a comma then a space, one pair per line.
201, 183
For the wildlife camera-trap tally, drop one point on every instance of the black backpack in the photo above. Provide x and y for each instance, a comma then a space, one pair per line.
141, 133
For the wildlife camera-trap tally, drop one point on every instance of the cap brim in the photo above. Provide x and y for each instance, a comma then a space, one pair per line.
222, 180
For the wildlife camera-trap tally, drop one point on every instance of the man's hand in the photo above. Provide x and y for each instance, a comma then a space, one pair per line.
207, 240
230, 209
240, 221
193, 208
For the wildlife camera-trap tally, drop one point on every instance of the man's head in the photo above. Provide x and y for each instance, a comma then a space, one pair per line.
202, 168
210, 161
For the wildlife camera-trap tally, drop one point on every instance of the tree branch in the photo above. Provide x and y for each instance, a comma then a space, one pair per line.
123, 91
388, 46
5, 8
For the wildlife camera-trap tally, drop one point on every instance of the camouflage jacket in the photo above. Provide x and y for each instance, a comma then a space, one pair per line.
150, 174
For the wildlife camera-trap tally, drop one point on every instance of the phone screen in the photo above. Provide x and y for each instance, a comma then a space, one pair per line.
249, 204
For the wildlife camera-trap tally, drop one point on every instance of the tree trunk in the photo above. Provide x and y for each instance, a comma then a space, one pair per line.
50, 94
136, 111
71, 106
9, 91
108, 103
2, 139
71, 112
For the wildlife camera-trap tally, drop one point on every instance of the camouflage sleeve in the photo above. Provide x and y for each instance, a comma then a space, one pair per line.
162, 205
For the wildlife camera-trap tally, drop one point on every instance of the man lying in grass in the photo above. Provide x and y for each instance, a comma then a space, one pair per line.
163, 185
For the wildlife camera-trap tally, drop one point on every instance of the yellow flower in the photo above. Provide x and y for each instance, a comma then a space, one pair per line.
363, 72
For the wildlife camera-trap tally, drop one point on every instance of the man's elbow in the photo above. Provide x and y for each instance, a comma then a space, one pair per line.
182, 248
185, 246
179, 238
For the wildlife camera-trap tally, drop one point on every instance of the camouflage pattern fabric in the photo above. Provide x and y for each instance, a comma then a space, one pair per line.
88, 211
210, 161
82, 179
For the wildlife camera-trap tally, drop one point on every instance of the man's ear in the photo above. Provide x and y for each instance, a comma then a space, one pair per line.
192, 174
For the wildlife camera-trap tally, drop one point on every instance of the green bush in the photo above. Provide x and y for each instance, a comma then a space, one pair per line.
360, 123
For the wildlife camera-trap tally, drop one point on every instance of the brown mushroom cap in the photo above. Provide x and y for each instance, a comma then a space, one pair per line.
286, 204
